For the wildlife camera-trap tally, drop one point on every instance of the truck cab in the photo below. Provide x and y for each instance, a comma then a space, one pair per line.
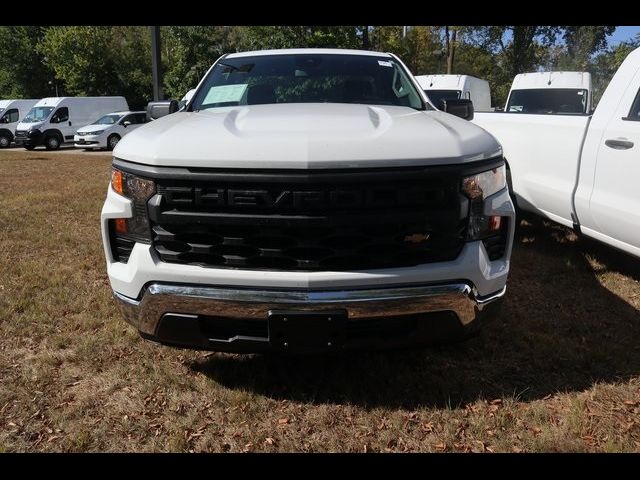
445, 87
11, 111
54, 121
558, 93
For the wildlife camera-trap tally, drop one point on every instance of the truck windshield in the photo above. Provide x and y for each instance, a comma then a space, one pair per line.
110, 119
437, 96
307, 78
37, 114
569, 101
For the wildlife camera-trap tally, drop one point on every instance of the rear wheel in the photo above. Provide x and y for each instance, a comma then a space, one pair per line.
5, 141
112, 141
52, 142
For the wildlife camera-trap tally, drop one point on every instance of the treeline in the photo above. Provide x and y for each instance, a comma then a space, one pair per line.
37, 61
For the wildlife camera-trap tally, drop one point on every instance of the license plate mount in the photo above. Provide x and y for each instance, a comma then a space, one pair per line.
291, 330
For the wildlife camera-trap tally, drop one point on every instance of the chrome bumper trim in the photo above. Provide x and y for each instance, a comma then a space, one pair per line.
159, 299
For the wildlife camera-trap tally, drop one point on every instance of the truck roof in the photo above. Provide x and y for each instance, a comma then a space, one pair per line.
552, 80
302, 51
53, 101
7, 102
444, 81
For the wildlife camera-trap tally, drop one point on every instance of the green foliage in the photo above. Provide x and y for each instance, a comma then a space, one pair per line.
190, 51
22, 72
100, 61
96, 60
266, 37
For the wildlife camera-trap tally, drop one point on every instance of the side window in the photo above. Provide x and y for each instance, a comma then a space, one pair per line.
61, 115
634, 113
10, 116
142, 117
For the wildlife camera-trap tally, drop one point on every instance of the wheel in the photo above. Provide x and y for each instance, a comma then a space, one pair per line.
112, 141
29, 147
5, 141
52, 142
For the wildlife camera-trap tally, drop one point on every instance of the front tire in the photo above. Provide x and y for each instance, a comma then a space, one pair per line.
52, 143
5, 141
112, 141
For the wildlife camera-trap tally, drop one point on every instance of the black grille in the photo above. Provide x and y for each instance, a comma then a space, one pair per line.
288, 221
21, 134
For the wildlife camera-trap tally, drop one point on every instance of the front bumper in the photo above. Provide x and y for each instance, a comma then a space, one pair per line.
89, 141
31, 140
236, 320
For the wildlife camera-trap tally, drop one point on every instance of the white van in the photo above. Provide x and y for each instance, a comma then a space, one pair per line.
443, 87
54, 121
11, 111
107, 131
550, 93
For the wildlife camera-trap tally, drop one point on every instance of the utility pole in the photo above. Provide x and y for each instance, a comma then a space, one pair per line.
156, 64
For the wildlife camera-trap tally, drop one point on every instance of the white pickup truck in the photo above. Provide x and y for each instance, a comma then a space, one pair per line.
580, 170
307, 199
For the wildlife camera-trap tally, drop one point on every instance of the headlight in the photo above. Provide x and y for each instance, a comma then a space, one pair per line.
492, 230
139, 190
34, 131
485, 184
96, 132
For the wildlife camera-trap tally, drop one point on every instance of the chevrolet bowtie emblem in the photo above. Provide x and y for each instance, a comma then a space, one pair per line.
417, 237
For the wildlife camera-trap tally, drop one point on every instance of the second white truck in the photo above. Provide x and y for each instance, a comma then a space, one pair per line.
580, 170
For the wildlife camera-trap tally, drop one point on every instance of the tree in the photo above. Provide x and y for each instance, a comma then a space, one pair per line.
22, 71
100, 61
190, 51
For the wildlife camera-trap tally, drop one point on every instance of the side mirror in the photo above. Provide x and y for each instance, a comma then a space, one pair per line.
156, 110
460, 107
126, 123
54, 120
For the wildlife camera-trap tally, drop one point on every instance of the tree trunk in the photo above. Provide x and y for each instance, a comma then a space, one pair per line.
365, 38
451, 50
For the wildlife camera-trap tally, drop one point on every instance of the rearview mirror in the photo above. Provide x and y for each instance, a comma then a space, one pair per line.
156, 110
126, 123
460, 107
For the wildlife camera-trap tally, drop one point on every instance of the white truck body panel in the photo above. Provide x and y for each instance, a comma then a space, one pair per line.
309, 135
475, 89
564, 167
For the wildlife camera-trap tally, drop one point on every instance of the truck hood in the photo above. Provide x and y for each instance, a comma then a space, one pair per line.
307, 136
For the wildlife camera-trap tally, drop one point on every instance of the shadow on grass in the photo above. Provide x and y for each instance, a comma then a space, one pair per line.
559, 330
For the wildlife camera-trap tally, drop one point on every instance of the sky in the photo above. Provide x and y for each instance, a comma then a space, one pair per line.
621, 34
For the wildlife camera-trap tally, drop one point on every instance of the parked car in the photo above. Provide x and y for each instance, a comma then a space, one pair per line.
442, 87
307, 199
11, 111
107, 131
580, 170
550, 93
54, 121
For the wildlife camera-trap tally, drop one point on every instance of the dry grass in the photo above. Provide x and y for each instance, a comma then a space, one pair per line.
557, 370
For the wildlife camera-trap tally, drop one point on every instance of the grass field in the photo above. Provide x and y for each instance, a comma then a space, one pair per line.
557, 370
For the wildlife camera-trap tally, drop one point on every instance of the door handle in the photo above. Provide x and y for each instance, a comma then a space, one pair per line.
618, 144
69, 123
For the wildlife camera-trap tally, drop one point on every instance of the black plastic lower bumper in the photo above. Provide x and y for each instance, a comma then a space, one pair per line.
251, 336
